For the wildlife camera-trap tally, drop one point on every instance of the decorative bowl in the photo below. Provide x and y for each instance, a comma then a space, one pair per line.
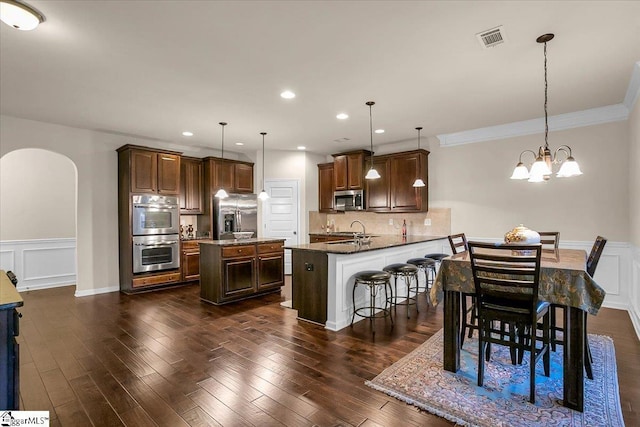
242, 234
522, 235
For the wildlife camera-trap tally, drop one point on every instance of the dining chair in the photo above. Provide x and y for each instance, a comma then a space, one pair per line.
549, 239
506, 279
458, 243
592, 263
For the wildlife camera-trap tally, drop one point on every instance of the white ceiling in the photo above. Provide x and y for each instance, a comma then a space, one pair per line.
153, 69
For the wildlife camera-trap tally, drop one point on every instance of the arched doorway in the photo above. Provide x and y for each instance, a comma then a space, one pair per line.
38, 218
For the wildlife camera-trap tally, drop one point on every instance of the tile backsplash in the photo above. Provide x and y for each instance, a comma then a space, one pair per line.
391, 223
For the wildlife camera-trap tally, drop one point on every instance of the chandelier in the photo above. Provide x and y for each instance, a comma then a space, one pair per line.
541, 168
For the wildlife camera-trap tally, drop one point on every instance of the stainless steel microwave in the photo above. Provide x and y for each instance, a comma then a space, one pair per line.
348, 200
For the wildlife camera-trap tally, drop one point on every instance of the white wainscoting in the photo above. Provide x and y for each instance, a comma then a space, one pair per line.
618, 273
40, 263
634, 305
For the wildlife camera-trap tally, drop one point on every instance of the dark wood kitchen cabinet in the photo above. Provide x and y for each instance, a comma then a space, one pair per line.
191, 188
378, 192
243, 177
151, 171
270, 265
394, 190
233, 271
232, 175
143, 170
189, 260
326, 187
349, 170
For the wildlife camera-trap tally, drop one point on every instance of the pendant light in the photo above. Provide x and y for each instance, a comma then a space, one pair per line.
263, 194
418, 182
541, 168
372, 174
221, 194
19, 15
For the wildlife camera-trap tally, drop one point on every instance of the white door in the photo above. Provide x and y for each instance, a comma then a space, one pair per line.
280, 216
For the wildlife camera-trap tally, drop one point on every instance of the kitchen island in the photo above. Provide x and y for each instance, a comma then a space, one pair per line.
232, 270
322, 273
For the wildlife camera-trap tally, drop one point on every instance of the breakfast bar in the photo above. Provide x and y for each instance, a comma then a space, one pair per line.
322, 273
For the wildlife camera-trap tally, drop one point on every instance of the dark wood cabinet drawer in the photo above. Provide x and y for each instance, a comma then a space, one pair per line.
236, 251
159, 279
266, 248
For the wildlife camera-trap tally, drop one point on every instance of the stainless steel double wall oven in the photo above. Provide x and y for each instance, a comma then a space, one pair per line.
156, 232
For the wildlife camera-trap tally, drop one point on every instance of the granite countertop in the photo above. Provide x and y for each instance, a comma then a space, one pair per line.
9, 296
332, 233
236, 242
377, 242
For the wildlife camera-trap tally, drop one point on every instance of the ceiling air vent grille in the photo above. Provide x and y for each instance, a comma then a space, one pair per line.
492, 37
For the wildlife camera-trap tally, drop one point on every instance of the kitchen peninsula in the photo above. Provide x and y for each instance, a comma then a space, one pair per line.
231, 270
322, 273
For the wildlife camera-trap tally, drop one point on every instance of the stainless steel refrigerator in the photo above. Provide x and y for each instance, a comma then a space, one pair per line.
236, 213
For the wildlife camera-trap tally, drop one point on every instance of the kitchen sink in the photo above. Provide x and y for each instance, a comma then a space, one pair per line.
352, 242
343, 242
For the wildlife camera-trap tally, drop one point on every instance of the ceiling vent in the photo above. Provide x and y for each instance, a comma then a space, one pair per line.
492, 37
342, 140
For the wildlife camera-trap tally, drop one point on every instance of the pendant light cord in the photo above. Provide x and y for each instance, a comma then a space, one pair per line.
263, 134
546, 124
223, 124
370, 103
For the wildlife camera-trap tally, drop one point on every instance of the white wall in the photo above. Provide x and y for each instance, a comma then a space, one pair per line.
96, 161
634, 212
473, 180
38, 193
298, 165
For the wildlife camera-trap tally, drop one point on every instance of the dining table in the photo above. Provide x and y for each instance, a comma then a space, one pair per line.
564, 281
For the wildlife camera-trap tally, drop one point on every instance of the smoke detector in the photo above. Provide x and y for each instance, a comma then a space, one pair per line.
492, 37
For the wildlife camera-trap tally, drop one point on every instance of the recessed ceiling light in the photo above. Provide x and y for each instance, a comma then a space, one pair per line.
239, 143
287, 94
342, 116
187, 133
379, 131
301, 147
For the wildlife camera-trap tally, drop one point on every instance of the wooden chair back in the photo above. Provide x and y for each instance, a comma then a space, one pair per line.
549, 239
506, 278
458, 243
594, 256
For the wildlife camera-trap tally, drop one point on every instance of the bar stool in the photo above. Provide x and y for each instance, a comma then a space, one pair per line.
375, 280
428, 267
408, 272
437, 257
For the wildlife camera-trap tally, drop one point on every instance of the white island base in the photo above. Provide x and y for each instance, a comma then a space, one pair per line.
340, 270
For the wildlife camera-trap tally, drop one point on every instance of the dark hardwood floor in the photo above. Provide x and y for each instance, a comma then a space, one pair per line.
165, 358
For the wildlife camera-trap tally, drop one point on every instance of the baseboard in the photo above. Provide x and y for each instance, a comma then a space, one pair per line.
90, 292
41, 286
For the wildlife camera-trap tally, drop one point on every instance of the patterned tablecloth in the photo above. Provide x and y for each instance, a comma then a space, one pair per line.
563, 279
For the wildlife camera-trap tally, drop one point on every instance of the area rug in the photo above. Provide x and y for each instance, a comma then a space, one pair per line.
419, 379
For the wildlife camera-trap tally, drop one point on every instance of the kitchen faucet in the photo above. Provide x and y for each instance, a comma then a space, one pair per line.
364, 232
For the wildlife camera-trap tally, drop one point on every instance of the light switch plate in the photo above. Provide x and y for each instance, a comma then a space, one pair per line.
390, 221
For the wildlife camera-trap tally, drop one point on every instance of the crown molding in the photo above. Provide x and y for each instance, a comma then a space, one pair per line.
633, 91
594, 116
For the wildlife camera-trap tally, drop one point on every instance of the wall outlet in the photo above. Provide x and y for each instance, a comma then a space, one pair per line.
390, 221
427, 221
